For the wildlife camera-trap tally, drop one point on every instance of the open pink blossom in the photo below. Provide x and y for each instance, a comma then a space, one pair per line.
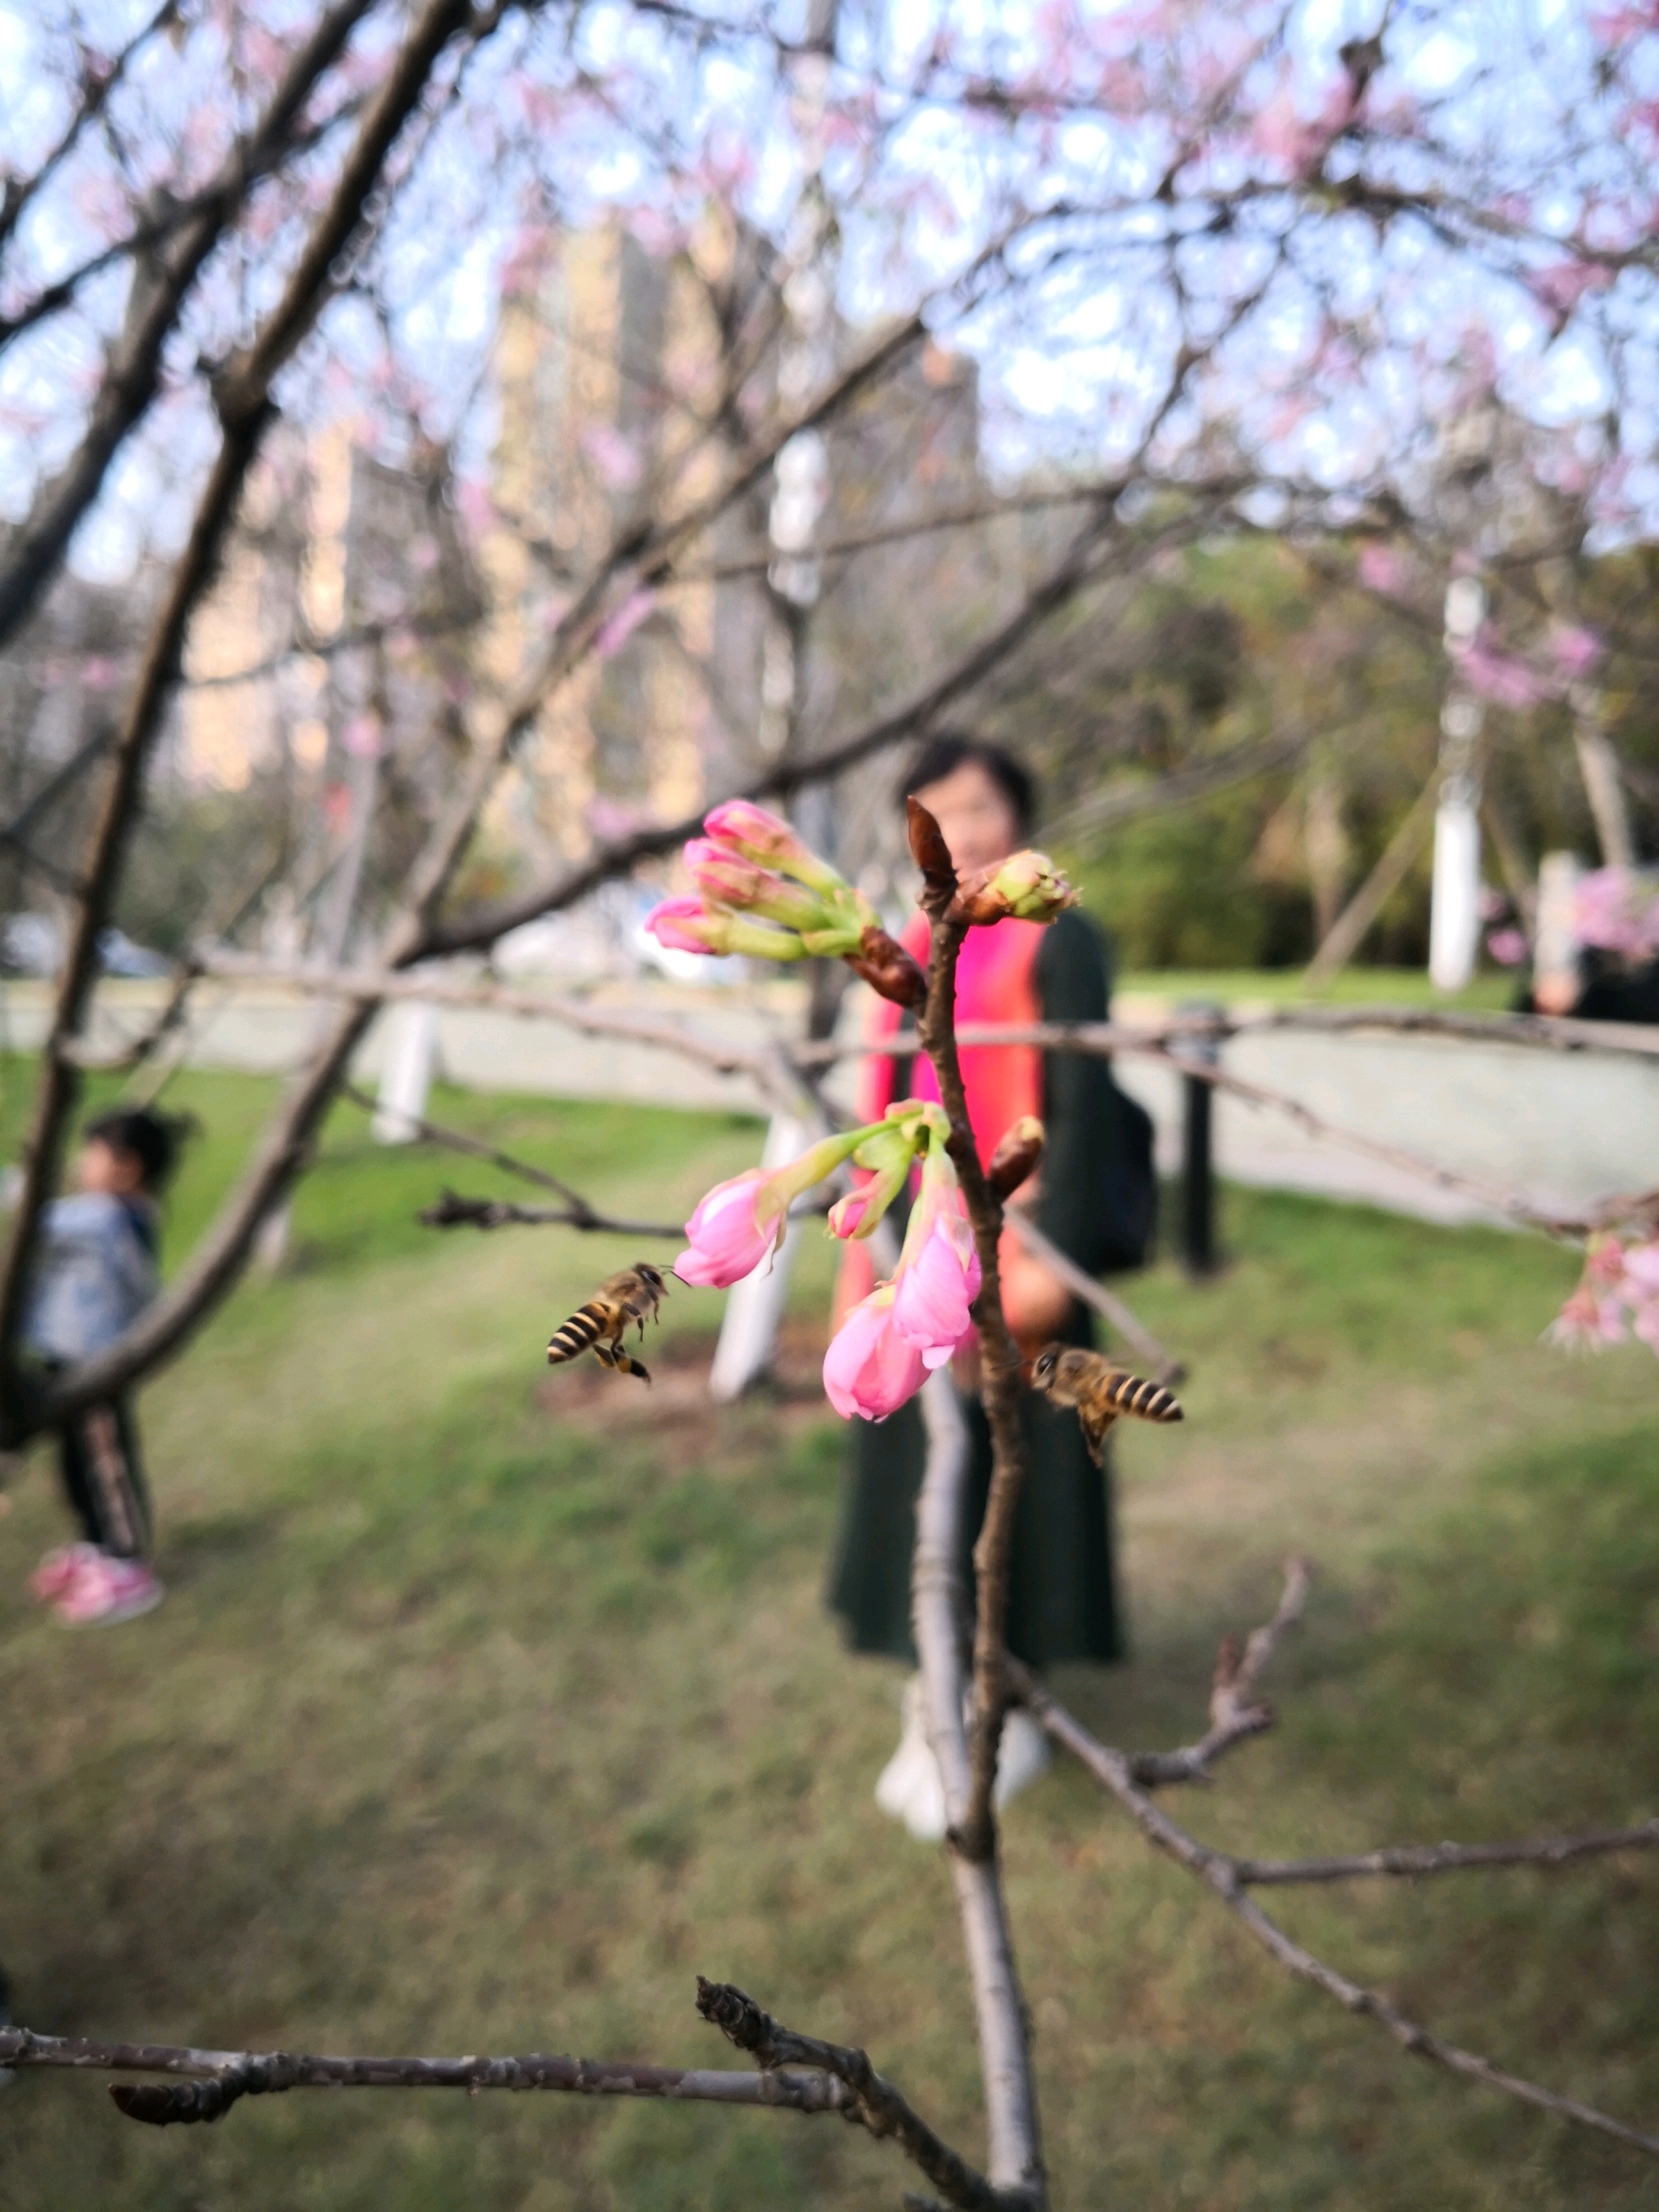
1586, 1322
731, 1231
739, 1223
870, 1369
939, 1273
1639, 1265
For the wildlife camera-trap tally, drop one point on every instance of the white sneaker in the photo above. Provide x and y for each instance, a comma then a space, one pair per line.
1023, 1754
911, 1788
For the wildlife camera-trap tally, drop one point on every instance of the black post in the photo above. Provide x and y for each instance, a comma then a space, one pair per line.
1197, 1244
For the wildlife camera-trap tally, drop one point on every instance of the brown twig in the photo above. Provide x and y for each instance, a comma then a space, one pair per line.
451, 1211
873, 2103
1236, 1712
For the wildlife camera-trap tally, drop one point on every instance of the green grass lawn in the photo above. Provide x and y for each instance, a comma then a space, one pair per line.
1491, 992
488, 1707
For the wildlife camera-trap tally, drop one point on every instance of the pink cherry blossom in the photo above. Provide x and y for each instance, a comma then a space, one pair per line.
1507, 947
1575, 651
731, 1231
1381, 570
870, 1369
939, 1273
1503, 677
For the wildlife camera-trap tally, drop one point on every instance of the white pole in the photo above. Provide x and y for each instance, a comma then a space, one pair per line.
411, 1055
1455, 896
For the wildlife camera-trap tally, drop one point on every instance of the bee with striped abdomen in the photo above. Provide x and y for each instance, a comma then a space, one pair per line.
633, 1296
1100, 1391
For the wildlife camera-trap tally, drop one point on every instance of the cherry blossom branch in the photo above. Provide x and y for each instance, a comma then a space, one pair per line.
1016, 2152
132, 379
242, 401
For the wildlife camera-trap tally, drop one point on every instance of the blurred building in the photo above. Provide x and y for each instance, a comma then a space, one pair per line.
610, 361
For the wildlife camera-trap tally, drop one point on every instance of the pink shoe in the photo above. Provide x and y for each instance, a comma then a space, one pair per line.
60, 1569
108, 1591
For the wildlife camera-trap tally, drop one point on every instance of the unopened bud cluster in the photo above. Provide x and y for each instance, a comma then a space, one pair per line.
763, 893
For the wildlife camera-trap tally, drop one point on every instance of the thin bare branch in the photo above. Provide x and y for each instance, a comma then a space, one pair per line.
451, 1211
368, 985
1084, 563
1414, 1861
874, 2103
1236, 1712
1222, 1873
242, 397
96, 85
1199, 779
1159, 1361
225, 2076
132, 381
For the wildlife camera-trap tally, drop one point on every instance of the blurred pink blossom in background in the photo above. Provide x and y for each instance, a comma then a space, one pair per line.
1617, 1296
1617, 911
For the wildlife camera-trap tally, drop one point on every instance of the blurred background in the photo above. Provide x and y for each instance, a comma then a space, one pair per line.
1246, 415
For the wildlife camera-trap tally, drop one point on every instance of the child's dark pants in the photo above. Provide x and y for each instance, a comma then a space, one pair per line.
104, 1480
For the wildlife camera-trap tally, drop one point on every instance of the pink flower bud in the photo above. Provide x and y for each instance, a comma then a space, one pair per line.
685, 925
939, 1272
1026, 886
756, 835
869, 1368
731, 1231
726, 878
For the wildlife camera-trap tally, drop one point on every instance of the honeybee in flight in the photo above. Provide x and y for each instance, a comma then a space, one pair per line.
1099, 1391
633, 1296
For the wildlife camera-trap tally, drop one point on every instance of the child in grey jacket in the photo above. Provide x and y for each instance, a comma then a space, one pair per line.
95, 1274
